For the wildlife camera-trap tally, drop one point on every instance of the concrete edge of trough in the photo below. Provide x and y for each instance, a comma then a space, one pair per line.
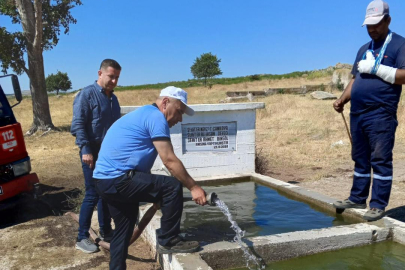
211, 107
322, 201
225, 255
399, 232
308, 196
169, 261
226, 178
318, 240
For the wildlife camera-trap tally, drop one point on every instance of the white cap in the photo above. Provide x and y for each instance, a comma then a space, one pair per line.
376, 10
179, 94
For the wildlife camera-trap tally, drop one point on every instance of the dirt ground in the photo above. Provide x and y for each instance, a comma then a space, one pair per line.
48, 243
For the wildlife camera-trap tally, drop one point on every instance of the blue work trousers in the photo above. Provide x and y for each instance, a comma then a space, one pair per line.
373, 135
123, 195
90, 200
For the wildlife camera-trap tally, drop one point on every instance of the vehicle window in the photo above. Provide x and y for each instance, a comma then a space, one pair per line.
6, 114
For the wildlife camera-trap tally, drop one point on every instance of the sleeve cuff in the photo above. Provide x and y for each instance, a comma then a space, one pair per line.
86, 150
161, 139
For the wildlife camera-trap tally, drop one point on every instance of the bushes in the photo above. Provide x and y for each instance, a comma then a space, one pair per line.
255, 77
319, 74
339, 84
260, 162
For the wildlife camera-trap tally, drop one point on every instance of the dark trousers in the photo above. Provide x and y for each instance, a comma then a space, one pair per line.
123, 195
90, 200
373, 135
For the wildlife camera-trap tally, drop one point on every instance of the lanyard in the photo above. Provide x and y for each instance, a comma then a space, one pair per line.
381, 54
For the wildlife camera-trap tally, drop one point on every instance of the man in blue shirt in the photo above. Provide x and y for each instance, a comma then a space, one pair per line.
95, 109
123, 175
374, 92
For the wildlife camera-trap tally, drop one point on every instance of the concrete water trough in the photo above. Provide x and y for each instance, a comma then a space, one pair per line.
217, 146
292, 243
258, 209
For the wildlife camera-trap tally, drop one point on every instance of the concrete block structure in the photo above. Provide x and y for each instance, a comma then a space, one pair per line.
218, 140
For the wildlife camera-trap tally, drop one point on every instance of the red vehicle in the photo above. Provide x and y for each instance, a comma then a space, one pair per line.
15, 164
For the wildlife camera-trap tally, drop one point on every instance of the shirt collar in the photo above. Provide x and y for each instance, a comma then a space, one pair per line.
99, 88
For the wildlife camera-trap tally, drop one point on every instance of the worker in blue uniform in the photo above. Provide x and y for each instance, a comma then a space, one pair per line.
374, 92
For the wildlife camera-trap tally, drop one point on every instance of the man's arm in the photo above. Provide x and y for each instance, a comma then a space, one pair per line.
81, 110
387, 73
400, 76
176, 168
344, 98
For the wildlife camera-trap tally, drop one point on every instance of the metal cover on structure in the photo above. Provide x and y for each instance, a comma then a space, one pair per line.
212, 137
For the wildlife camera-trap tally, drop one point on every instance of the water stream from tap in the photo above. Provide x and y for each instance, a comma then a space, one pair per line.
251, 259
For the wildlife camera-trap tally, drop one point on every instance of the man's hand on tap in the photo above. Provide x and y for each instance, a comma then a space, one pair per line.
198, 195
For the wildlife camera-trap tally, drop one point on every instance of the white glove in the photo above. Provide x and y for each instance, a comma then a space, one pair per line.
384, 72
365, 66
369, 56
387, 73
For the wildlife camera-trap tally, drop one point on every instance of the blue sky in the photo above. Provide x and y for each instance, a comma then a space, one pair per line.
157, 41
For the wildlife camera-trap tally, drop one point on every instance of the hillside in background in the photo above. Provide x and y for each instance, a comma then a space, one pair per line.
319, 73
308, 75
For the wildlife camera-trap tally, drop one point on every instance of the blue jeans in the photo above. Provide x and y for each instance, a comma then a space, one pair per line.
373, 136
123, 195
90, 200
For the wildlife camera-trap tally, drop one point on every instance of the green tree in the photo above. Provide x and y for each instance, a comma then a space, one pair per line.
206, 66
58, 82
41, 22
339, 84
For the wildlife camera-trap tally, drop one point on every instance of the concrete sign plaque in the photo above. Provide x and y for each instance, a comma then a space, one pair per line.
212, 137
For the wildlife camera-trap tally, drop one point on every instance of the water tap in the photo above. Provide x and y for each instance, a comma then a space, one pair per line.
211, 198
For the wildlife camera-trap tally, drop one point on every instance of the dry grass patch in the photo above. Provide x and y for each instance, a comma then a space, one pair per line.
298, 132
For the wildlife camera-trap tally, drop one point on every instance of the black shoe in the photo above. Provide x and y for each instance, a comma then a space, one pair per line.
178, 245
106, 237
